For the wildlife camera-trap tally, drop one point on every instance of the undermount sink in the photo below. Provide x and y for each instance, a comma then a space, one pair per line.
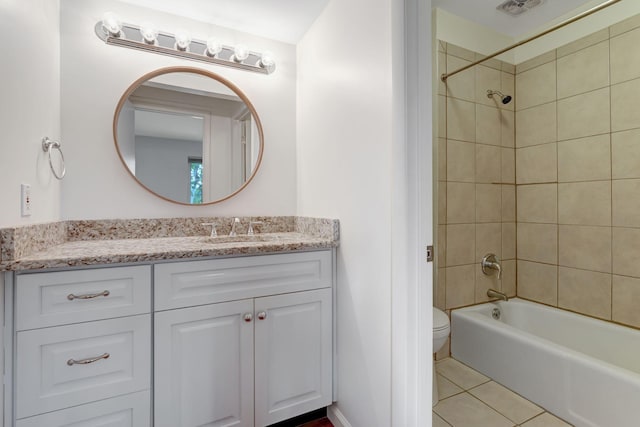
242, 238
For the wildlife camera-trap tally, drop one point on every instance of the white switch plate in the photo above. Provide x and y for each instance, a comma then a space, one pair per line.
26, 200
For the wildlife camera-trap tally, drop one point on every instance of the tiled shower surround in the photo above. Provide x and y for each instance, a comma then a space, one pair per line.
476, 179
577, 176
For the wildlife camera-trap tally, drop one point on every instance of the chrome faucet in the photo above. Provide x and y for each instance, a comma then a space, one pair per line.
491, 262
235, 223
492, 293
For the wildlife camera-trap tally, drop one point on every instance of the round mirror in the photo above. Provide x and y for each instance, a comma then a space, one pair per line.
188, 135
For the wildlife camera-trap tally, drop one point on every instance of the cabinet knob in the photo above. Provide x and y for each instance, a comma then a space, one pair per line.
262, 315
248, 317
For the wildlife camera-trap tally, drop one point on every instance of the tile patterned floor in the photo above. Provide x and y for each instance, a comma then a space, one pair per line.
469, 399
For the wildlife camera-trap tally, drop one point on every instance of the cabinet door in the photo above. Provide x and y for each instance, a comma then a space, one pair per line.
204, 366
293, 355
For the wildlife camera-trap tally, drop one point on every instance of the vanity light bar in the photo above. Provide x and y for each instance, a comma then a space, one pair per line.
180, 45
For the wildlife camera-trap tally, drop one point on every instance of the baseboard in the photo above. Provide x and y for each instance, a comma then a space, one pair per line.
336, 417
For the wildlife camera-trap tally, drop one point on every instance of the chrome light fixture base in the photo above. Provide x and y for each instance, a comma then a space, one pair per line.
129, 36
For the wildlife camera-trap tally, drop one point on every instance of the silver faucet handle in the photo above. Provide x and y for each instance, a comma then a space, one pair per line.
250, 231
491, 262
236, 222
214, 232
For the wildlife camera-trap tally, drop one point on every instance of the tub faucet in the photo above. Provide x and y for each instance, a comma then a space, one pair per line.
235, 223
492, 293
491, 262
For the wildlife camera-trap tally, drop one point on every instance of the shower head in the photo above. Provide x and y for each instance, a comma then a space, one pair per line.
505, 99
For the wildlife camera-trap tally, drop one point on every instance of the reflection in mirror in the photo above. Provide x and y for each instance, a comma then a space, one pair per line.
188, 135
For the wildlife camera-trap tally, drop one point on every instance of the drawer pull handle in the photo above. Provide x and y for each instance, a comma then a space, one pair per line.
262, 315
71, 297
247, 317
72, 362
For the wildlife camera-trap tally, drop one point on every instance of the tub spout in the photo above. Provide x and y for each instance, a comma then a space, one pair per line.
491, 262
492, 293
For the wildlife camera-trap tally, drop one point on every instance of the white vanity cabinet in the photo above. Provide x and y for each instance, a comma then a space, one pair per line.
247, 359
83, 347
240, 341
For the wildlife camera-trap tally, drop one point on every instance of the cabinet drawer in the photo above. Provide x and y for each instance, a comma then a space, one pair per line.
185, 284
58, 298
51, 375
131, 410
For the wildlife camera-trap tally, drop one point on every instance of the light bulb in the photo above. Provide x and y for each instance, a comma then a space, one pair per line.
214, 47
183, 40
240, 53
149, 32
112, 24
266, 60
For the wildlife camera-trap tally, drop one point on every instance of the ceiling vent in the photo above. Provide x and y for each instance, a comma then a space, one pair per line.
518, 7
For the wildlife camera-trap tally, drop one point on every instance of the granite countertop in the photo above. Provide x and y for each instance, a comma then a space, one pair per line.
96, 248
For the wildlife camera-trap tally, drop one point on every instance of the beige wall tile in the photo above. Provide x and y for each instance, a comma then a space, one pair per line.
625, 58
439, 297
442, 159
508, 132
626, 251
460, 52
461, 206
585, 159
508, 203
584, 115
441, 246
486, 79
488, 162
508, 166
460, 286
585, 292
509, 278
461, 120
585, 203
538, 282
488, 125
508, 240
625, 153
538, 242
442, 69
590, 40
585, 247
491, 63
508, 87
461, 244
535, 62
442, 46
624, 26
626, 203
461, 85
484, 283
488, 240
536, 125
536, 86
626, 294
624, 101
461, 161
488, 203
442, 202
537, 164
584, 70
442, 116
508, 68
538, 203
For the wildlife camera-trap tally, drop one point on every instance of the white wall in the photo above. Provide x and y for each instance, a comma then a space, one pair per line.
30, 108
345, 136
94, 76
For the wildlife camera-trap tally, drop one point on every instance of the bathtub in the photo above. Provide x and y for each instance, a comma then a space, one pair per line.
583, 370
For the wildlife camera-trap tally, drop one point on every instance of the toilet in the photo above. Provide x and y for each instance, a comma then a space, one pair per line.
440, 335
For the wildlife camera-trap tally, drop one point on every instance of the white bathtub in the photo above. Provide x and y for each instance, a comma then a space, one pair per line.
581, 369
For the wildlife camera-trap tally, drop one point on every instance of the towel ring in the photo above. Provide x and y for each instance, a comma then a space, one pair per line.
47, 146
